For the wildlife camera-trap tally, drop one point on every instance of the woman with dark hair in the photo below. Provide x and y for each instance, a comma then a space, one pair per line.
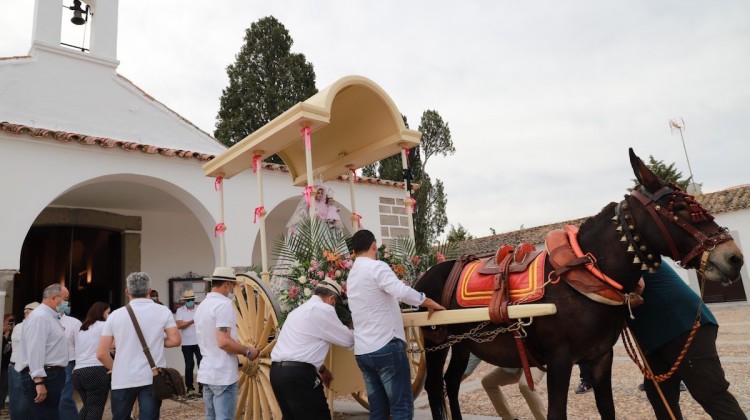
90, 377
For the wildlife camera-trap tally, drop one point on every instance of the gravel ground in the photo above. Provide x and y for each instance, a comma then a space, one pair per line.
733, 345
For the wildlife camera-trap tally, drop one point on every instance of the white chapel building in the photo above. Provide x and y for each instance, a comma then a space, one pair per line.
99, 179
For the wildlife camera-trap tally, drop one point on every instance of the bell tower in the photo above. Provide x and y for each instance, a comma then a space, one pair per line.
50, 16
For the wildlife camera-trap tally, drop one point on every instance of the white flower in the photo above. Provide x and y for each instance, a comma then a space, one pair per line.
308, 292
338, 273
302, 280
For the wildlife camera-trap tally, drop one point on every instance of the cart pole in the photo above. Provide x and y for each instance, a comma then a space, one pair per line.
260, 213
306, 133
356, 223
408, 201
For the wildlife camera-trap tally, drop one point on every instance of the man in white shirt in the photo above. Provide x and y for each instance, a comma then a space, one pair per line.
19, 407
298, 356
186, 324
44, 355
374, 293
68, 408
216, 328
131, 373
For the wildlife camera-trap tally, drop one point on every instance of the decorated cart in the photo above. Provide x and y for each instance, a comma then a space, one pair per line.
348, 125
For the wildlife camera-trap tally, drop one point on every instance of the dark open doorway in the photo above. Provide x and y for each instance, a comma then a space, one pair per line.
87, 260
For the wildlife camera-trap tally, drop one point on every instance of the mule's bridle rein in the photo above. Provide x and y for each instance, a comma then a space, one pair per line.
705, 243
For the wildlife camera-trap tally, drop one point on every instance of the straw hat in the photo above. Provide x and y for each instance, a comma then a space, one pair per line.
330, 285
188, 294
222, 274
32, 306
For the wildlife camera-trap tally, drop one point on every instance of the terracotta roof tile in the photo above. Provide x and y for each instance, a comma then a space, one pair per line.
730, 199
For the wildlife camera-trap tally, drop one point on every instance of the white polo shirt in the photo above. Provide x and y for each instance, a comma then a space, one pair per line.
307, 332
71, 325
86, 344
217, 366
131, 368
188, 334
374, 293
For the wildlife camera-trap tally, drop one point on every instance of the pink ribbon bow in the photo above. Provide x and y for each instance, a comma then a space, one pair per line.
409, 204
354, 174
358, 217
217, 183
306, 132
219, 229
259, 212
406, 152
308, 192
256, 163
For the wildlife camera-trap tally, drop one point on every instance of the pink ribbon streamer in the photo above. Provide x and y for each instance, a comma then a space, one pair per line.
359, 220
409, 204
256, 163
306, 132
308, 192
219, 229
259, 212
217, 183
354, 174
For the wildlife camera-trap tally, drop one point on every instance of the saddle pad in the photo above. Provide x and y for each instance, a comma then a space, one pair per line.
475, 290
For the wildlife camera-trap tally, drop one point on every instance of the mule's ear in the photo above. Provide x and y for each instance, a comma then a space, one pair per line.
643, 174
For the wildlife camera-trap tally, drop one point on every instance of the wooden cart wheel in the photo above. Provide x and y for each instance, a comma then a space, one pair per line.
257, 325
417, 363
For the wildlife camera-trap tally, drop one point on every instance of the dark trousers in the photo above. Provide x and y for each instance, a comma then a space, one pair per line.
187, 353
47, 409
299, 391
92, 383
702, 373
124, 399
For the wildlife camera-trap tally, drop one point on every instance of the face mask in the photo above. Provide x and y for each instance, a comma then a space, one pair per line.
64, 308
190, 304
155, 298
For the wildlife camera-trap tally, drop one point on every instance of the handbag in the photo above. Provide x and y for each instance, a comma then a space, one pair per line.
168, 382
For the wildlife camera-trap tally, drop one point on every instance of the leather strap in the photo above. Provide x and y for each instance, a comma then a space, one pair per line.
521, 346
452, 283
146, 350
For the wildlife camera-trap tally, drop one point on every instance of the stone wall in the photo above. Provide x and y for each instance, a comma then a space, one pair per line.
394, 222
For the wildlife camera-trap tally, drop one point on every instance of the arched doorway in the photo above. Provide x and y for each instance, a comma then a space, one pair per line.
87, 260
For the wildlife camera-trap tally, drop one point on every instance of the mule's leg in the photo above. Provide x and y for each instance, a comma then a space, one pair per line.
601, 374
453, 375
558, 382
433, 384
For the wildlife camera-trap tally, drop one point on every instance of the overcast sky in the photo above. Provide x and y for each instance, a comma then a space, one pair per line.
543, 99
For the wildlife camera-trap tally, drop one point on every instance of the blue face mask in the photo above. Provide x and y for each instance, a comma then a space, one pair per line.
190, 304
64, 308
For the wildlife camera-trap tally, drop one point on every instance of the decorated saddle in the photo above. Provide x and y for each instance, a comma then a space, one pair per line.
477, 281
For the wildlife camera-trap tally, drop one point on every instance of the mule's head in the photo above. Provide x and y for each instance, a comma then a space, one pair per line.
658, 218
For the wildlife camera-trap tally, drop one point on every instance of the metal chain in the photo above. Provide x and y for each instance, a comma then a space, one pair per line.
478, 337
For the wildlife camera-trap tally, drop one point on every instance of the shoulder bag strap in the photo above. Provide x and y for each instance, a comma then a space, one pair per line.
146, 350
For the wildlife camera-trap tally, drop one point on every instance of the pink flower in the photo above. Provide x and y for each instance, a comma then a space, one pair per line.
314, 264
415, 260
348, 264
293, 292
320, 274
440, 257
314, 282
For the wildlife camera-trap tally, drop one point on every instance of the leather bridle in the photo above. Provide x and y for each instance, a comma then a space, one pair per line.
705, 243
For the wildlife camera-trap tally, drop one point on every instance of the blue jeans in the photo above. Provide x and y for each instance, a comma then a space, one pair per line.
388, 380
19, 407
47, 409
67, 408
220, 400
124, 399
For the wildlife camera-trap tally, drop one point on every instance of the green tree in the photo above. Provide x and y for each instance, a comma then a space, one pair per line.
265, 80
458, 234
666, 172
436, 136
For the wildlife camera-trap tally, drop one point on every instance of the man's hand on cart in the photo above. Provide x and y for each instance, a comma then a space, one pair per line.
431, 306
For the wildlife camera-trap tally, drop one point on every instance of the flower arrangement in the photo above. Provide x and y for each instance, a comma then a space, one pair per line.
307, 256
410, 266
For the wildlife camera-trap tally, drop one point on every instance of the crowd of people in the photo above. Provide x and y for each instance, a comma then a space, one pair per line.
50, 353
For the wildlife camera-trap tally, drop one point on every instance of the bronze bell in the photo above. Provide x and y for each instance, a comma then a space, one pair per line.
78, 12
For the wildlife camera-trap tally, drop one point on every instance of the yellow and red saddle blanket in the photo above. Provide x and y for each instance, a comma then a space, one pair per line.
475, 289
